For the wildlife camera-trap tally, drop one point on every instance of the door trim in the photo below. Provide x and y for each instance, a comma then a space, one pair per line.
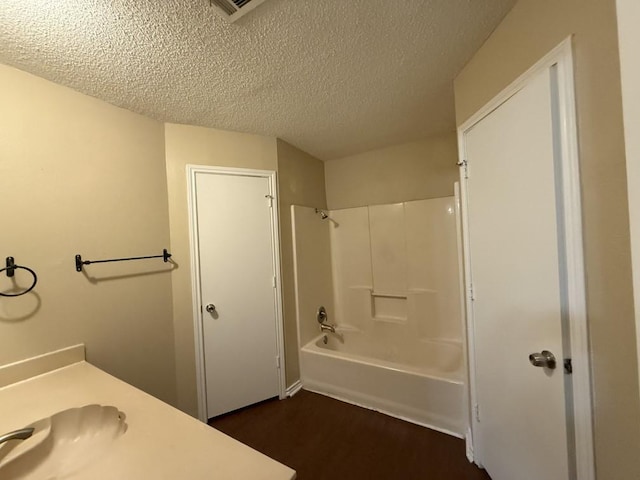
192, 171
561, 57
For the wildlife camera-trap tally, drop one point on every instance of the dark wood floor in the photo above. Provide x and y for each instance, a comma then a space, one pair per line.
322, 438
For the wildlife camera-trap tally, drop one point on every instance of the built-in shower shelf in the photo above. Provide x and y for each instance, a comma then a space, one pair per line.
389, 294
386, 319
389, 306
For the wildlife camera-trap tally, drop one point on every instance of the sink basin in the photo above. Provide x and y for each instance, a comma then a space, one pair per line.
62, 444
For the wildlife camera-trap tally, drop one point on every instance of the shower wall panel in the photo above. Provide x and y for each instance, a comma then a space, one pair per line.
351, 265
430, 228
397, 264
388, 248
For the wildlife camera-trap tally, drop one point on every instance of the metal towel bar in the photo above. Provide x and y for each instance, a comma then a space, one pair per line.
79, 262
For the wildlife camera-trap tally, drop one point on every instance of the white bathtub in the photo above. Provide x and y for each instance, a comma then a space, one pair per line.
422, 382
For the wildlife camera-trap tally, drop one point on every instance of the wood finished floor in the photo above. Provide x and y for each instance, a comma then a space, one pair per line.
325, 439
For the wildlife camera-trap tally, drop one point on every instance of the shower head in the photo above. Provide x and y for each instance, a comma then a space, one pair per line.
322, 213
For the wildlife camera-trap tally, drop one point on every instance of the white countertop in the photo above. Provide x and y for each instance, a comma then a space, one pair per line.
160, 442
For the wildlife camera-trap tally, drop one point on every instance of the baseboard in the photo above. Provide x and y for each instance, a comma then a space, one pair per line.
294, 388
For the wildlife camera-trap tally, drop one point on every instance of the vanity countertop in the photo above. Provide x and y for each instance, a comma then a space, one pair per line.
161, 442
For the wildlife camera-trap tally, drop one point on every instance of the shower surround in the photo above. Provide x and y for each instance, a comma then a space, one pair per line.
388, 276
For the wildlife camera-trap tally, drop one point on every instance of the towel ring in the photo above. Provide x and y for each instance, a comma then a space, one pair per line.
13, 267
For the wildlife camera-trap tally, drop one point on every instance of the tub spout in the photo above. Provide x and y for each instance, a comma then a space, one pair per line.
325, 327
21, 434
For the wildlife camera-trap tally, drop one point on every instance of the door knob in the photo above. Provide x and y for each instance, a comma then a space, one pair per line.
210, 308
543, 359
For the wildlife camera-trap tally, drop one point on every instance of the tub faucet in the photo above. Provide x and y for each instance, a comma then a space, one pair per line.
325, 327
322, 317
21, 434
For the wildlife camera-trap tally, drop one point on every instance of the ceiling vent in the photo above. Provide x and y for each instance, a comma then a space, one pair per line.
232, 10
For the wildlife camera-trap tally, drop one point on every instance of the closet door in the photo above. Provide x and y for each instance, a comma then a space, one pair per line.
237, 283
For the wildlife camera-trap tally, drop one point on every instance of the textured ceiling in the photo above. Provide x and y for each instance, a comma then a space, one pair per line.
332, 77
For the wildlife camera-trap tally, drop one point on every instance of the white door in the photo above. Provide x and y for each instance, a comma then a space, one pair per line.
518, 286
237, 284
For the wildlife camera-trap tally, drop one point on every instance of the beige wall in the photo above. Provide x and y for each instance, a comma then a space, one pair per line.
300, 182
629, 37
411, 171
529, 31
199, 146
79, 176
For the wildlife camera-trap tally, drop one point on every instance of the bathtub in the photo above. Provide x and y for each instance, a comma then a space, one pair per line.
421, 382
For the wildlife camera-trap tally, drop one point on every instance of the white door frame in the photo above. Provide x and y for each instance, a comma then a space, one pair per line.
192, 171
628, 16
561, 58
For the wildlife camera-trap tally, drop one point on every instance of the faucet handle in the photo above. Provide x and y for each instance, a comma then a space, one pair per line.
321, 314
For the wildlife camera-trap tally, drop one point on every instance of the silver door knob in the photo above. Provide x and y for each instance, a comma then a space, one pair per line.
544, 359
210, 308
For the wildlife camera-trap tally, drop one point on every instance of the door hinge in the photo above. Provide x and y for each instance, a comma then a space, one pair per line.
471, 293
270, 198
278, 361
273, 281
568, 366
464, 164
476, 412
